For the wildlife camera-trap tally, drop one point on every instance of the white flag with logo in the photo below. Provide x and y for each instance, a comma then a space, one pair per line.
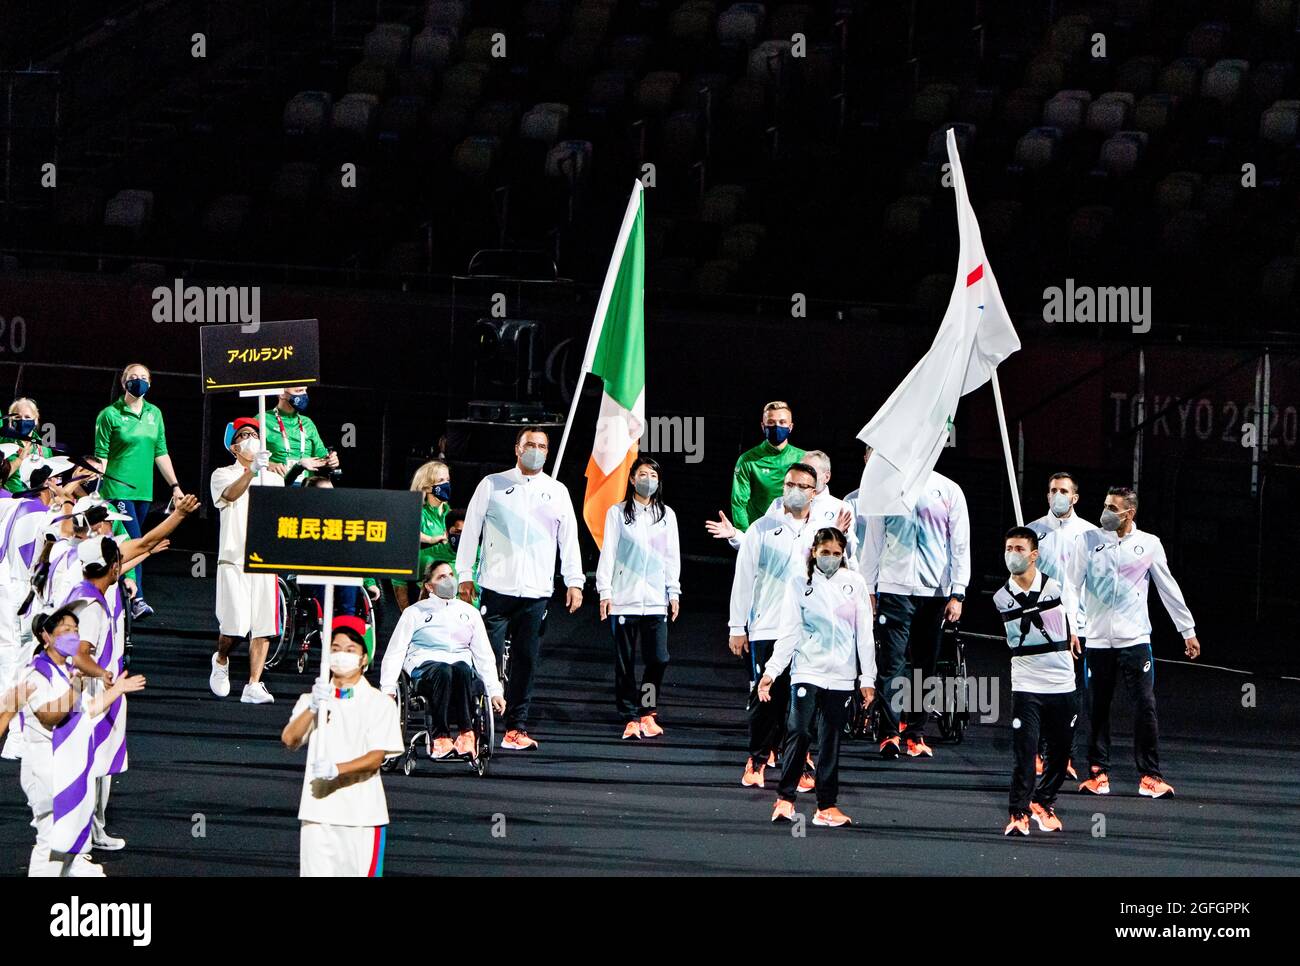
909, 430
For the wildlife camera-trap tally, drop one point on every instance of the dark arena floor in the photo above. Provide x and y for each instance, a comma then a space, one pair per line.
211, 792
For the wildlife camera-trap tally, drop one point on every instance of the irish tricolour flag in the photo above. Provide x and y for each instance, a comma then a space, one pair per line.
616, 353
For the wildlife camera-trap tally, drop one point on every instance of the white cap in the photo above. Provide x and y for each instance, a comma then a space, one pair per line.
90, 502
91, 551
57, 465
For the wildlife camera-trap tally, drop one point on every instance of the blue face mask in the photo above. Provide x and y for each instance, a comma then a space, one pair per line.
299, 402
443, 492
22, 427
453, 540
776, 435
137, 386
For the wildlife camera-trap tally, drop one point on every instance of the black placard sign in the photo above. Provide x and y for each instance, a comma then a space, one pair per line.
276, 354
329, 532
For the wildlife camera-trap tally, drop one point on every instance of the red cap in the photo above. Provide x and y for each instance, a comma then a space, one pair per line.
243, 421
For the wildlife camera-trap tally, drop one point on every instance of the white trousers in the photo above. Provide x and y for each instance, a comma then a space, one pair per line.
341, 851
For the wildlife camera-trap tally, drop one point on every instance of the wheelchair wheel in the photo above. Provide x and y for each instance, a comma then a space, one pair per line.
403, 693
408, 764
486, 733
284, 599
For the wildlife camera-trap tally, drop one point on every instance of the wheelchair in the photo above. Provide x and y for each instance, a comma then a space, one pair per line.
417, 729
863, 721
300, 635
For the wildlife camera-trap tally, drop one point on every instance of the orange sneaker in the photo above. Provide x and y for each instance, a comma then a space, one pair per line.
467, 744
831, 817
1069, 770
517, 740
632, 729
1152, 787
753, 777
902, 726
809, 764
650, 727
771, 759
1045, 818
783, 810
890, 747
1038, 764
1018, 823
441, 748
917, 747
1098, 784
807, 782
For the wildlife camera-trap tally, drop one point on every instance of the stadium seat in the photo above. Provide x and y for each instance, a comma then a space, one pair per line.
1037, 149
905, 218
1138, 75
226, 216
369, 78
1121, 152
544, 122
768, 60
789, 19
1223, 81
497, 119
740, 24
1153, 113
354, 115
308, 113
1182, 77
130, 210
716, 276
722, 204
1208, 40
1108, 114
657, 91
1275, 14
569, 159
1066, 110
479, 44
475, 157
433, 47
1278, 124
388, 44
445, 13
1178, 190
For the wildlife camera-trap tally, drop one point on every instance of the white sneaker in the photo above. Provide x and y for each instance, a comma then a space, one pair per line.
219, 679
106, 843
82, 868
255, 693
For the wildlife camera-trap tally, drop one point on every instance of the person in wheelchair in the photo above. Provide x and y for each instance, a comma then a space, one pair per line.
442, 644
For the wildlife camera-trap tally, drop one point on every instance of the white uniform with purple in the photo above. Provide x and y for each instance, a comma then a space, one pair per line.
22, 521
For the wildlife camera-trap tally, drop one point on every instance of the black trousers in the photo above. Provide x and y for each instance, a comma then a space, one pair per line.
906, 622
521, 617
1035, 717
1136, 667
649, 633
1079, 743
813, 708
449, 690
766, 718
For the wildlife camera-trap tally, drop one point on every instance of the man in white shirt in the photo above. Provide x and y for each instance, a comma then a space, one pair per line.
1043, 702
918, 565
521, 518
773, 553
1108, 575
343, 810
1056, 531
247, 604
826, 510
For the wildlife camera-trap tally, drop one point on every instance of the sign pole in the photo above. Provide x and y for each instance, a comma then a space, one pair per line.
326, 635
261, 395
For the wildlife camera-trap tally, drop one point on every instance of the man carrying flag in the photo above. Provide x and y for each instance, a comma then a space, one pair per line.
917, 548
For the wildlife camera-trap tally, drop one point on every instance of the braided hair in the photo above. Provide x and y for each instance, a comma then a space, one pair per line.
824, 535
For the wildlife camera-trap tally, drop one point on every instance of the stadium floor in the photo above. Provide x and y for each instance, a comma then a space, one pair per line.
588, 803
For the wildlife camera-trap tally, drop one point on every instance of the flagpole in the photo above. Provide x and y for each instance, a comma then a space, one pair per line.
602, 306
1006, 449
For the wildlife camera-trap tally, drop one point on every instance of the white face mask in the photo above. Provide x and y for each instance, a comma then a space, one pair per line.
1060, 504
248, 446
344, 662
532, 459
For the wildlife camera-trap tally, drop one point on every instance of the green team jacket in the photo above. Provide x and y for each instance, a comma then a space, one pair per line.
758, 480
